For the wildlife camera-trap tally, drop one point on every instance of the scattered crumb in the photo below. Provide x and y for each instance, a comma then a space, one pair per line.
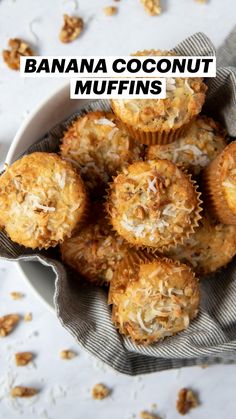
23, 358
186, 401
16, 295
100, 392
20, 391
110, 10
152, 7
147, 415
18, 48
67, 354
28, 317
203, 366
71, 29
8, 323
154, 406
201, 1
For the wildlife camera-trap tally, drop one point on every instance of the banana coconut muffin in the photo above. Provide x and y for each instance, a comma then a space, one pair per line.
97, 146
42, 200
94, 251
161, 121
153, 298
219, 179
211, 247
153, 204
202, 141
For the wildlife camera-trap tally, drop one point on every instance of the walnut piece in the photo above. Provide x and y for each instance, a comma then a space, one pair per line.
140, 212
147, 415
20, 391
110, 10
18, 48
8, 323
16, 295
186, 401
71, 29
100, 392
152, 7
28, 317
67, 354
23, 358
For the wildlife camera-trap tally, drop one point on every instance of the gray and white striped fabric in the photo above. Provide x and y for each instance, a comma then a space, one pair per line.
83, 310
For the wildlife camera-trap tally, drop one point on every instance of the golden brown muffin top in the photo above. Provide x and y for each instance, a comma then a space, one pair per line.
98, 147
95, 250
153, 299
212, 246
227, 170
184, 100
201, 143
153, 203
42, 200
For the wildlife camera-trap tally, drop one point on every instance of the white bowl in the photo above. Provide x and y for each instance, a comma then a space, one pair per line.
56, 108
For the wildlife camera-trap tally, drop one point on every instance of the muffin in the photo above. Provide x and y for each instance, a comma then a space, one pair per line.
152, 298
42, 200
94, 251
161, 121
153, 204
211, 247
219, 182
99, 148
202, 141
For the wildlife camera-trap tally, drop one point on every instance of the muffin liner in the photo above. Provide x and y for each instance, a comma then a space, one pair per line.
213, 192
176, 241
82, 308
152, 137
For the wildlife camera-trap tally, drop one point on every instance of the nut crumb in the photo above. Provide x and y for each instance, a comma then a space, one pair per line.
16, 295
152, 7
100, 392
23, 358
140, 212
8, 323
20, 391
147, 415
18, 48
28, 317
186, 400
71, 29
67, 354
110, 10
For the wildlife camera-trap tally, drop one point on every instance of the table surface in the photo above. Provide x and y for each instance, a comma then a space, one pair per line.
65, 386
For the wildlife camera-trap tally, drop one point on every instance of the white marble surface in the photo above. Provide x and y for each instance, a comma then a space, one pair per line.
65, 385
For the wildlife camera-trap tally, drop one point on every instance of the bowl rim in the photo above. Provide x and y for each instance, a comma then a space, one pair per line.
29, 117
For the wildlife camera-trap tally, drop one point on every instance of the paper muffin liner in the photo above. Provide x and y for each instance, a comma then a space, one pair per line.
213, 192
176, 241
160, 137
